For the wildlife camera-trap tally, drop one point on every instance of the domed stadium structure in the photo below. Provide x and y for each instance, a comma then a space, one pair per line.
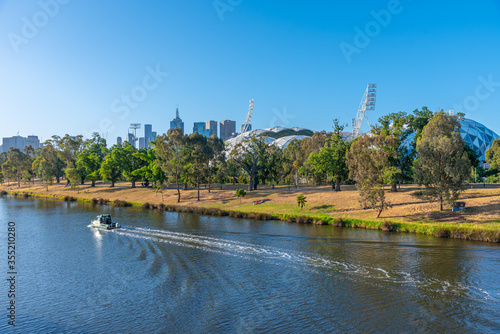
477, 136
277, 135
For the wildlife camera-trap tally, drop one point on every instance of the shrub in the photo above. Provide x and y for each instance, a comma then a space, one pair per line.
240, 193
442, 232
386, 226
339, 222
146, 205
301, 201
3, 192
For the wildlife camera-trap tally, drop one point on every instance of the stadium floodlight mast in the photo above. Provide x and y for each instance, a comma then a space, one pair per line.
249, 117
367, 104
135, 126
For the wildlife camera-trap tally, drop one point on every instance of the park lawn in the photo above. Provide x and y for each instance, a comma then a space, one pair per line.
483, 204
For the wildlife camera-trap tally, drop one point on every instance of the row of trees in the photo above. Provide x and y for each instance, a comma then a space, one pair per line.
422, 147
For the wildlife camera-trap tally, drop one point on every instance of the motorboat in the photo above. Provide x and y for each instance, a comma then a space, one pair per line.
105, 222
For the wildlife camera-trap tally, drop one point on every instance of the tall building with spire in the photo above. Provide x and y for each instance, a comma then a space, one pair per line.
177, 122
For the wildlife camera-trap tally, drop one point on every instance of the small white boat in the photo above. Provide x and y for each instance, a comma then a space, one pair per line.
104, 221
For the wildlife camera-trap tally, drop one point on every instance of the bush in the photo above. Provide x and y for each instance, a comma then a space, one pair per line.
339, 222
442, 232
146, 205
3, 192
386, 226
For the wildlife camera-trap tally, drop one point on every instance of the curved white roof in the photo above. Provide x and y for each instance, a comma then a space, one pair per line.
284, 141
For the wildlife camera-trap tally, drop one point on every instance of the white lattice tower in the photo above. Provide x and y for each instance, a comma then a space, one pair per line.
249, 117
367, 104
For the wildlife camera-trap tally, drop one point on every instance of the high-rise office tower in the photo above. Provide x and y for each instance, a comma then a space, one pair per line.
119, 140
148, 131
142, 142
177, 122
201, 129
227, 129
130, 139
212, 127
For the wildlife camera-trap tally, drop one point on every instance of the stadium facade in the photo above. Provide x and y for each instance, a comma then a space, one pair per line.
475, 134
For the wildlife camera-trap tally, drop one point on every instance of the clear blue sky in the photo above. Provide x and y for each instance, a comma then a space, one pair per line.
70, 73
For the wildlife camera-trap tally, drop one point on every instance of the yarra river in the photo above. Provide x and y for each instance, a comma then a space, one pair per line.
184, 273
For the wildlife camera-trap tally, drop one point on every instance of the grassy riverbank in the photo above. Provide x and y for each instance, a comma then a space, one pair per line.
410, 214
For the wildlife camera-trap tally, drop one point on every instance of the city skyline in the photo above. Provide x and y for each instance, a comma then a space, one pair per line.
304, 65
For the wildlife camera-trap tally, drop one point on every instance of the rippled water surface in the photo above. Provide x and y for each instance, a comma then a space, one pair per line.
181, 273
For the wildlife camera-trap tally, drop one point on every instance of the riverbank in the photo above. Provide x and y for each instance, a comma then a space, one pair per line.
410, 214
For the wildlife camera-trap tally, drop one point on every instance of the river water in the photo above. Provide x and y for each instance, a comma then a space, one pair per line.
183, 273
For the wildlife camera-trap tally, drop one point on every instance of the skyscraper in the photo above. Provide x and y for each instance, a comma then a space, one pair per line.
227, 129
119, 140
130, 139
148, 129
212, 127
177, 122
20, 142
200, 128
142, 142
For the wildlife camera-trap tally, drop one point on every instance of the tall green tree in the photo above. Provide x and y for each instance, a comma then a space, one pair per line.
493, 154
217, 160
170, 156
50, 155
369, 165
17, 163
331, 158
246, 155
442, 164
112, 166
44, 170
149, 170
68, 149
294, 157
131, 164
89, 160
199, 154
398, 126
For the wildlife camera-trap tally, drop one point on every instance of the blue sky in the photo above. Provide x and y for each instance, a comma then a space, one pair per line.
73, 72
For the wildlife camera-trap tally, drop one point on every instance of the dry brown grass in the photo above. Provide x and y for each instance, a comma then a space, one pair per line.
483, 204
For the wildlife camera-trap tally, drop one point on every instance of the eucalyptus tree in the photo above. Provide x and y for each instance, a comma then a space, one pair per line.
199, 154
442, 164
397, 125
369, 165
246, 155
16, 165
170, 156
331, 158
493, 154
217, 160
44, 170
